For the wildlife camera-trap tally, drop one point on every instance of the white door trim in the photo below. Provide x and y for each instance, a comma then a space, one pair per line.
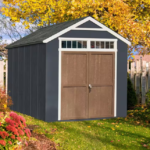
115, 50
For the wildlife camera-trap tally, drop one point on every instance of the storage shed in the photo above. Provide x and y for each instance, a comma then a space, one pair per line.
69, 71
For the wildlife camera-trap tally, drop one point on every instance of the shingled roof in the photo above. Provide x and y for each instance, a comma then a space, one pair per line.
39, 35
48, 33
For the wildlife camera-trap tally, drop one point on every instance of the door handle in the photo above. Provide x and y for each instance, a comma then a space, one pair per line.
90, 86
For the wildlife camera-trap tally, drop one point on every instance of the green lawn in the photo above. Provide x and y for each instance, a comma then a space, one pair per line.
132, 132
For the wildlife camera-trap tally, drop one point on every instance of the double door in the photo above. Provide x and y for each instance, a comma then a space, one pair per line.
87, 85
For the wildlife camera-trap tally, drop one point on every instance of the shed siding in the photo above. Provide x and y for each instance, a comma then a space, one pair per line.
27, 87
21, 79
52, 80
122, 79
28, 79
10, 60
88, 24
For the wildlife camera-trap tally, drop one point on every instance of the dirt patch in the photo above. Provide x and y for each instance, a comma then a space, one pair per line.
41, 142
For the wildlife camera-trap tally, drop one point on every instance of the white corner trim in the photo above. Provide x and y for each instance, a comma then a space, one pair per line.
90, 29
115, 93
73, 27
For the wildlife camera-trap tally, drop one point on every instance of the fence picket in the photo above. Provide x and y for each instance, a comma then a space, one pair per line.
132, 73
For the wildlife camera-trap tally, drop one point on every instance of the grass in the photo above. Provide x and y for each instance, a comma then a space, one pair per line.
132, 132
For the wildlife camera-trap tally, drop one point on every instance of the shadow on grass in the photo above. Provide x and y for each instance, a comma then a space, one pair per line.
106, 140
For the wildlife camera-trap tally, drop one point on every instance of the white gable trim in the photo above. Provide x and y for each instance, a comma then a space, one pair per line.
83, 21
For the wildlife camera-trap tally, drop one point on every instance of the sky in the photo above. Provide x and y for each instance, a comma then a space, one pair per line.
4, 36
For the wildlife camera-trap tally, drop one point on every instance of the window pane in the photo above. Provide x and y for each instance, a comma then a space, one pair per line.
111, 44
63, 44
107, 44
84, 44
68, 44
97, 44
92, 44
79, 44
74, 44
102, 44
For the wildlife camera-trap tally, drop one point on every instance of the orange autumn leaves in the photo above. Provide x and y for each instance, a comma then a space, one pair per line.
130, 18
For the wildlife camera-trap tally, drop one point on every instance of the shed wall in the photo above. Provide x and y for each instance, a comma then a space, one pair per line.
52, 72
26, 79
121, 65
52, 80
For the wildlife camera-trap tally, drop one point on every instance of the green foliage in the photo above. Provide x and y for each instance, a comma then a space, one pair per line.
148, 99
131, 95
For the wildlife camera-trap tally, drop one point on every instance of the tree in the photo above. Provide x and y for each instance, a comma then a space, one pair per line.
3, 50
130, 18
13, 30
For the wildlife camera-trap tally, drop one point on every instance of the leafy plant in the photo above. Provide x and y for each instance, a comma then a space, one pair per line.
131, 95
5, 101
12, 131
148, 99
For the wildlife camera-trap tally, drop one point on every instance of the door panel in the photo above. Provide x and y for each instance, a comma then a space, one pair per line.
74, 94
74, 68
74, 102
101, 77
101, 69
100, 102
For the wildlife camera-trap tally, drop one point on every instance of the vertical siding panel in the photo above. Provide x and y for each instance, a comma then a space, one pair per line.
34, 81
15, 79
41, 81
52, 57
10, 65
21, 80
27, 77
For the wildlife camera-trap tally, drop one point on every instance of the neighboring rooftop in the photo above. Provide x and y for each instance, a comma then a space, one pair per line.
144, 58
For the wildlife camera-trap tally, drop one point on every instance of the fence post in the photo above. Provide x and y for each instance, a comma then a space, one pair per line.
132, 73
127, 66
143, 82
6, 76
149, 76
138, 80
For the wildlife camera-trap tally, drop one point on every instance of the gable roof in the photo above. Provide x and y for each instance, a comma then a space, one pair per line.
46, 34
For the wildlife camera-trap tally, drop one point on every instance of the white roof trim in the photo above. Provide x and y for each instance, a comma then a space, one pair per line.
83, 21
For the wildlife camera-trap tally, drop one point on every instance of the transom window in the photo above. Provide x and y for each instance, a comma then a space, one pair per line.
74, 44
87, 44
102, 44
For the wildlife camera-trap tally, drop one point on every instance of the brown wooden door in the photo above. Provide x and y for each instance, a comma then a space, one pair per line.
79, 69
74, 97
101, 77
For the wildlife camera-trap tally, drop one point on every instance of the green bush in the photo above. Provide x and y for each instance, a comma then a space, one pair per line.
131, 95
148, 99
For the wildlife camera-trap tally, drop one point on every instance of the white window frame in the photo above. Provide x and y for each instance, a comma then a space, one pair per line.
88, 44
88, 49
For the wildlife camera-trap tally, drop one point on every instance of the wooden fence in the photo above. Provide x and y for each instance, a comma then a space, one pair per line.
139, 73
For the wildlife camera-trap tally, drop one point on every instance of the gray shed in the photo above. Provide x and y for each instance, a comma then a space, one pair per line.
69, 71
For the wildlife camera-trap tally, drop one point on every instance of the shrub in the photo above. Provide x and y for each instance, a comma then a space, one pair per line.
12, 126
131, 95
148, 99
5, 101
12, 131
